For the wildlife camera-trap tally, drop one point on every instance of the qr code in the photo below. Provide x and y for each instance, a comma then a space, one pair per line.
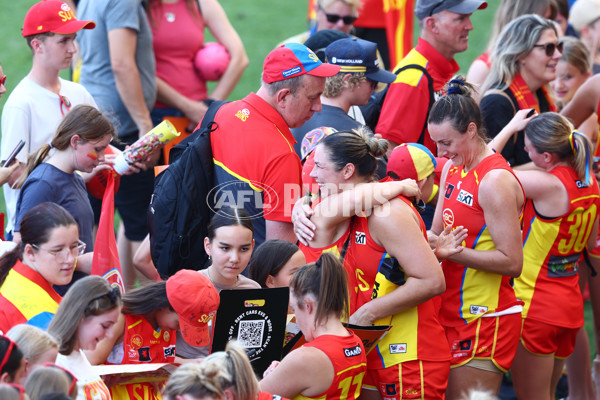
250, 333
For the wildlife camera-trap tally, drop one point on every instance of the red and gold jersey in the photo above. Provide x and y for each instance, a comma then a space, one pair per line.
142, 344
471, 293
416, 333
348, 356
549, 283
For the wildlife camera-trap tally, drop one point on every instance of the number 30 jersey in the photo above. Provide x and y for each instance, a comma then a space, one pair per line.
551, 248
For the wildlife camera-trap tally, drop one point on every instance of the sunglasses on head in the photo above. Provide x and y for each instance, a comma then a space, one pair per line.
334, 18
19, 389
72, 377
550, 47
3, 80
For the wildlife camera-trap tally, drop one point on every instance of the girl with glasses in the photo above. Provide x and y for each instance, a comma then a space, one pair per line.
524, 62
46, 256
79, 145
86, 315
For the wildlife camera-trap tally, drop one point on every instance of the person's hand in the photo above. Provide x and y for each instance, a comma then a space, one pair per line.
195, 111
410, 188
87, 176
362, 316
6, 172
449, 242
303, 227
521, 119
273, 365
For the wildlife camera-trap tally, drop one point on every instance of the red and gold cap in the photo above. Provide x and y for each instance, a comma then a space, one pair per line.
53, 16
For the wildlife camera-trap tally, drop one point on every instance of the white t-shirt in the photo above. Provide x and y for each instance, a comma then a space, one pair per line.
89, 384
32, 113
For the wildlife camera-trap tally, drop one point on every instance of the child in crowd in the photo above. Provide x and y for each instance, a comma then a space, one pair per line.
274, 262
37, 346
85, 316
146, 329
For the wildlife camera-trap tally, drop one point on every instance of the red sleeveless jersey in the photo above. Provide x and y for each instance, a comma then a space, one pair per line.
549, 284
471, 293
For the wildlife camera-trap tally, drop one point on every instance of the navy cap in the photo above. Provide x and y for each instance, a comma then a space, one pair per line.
427, 8
319, 40
358, 55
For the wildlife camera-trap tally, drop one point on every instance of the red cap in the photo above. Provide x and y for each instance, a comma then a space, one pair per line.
411, 160
53, 16
195, 299
294, 59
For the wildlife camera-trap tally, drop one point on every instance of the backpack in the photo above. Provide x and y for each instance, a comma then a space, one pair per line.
179, 213
372, 109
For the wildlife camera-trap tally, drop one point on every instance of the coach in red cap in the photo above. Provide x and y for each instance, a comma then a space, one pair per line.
256, 167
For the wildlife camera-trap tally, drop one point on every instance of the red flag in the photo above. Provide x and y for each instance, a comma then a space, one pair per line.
106, 257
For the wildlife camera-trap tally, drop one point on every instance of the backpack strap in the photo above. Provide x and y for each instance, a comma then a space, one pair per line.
431, 94
503, 94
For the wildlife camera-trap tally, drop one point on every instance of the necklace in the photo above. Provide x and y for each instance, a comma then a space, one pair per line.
237, 278
170, 17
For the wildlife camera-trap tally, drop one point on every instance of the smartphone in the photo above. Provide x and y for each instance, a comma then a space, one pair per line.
13, 154
530, 113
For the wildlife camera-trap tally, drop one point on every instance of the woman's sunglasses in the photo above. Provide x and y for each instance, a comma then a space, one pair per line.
550, 47
334, 18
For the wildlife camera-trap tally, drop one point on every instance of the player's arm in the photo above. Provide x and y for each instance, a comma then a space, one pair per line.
306, 370
501, 199
425, 278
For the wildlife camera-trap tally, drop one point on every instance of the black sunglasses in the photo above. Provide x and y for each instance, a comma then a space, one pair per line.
550, 47
334, 18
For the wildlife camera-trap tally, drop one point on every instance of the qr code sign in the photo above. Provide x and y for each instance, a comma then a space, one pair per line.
250, 333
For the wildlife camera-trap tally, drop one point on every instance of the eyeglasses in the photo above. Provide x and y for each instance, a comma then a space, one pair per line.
3, 80
9, 350
18, 388
334, 18
64, 252
69, 373
550, 47
64, 101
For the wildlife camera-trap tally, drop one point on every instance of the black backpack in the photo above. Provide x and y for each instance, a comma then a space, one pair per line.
372, 109
179, 212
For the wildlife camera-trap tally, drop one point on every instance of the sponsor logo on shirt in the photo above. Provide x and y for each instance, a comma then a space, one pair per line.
169, 351
476, 310
243, 114
291, 71
449, 191
465, 197
144, 354
397, 348
580, 185
353, 351
448, 217
389, 389
360, 237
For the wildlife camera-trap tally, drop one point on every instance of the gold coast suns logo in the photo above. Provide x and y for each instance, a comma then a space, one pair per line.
448, 217
66, 13
243, 114
313, 57
136, 341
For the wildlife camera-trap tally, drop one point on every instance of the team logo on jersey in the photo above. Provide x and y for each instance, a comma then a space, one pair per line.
390, 389
465, 197
461, 345
360, 237
169, 351
243, 114
448, 217
144, 354
476, 310
166, 336
449, 191
353, 351
398, 348
137, 341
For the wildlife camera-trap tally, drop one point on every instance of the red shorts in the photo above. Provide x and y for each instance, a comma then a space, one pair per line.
409, 380
543, 339
489, 338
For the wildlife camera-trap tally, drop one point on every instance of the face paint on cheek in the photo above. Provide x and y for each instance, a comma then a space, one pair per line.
92, 155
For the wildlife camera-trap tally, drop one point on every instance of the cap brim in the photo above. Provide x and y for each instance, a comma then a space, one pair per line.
74, 26
468, 7
197, 336
381, 75
325, 70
